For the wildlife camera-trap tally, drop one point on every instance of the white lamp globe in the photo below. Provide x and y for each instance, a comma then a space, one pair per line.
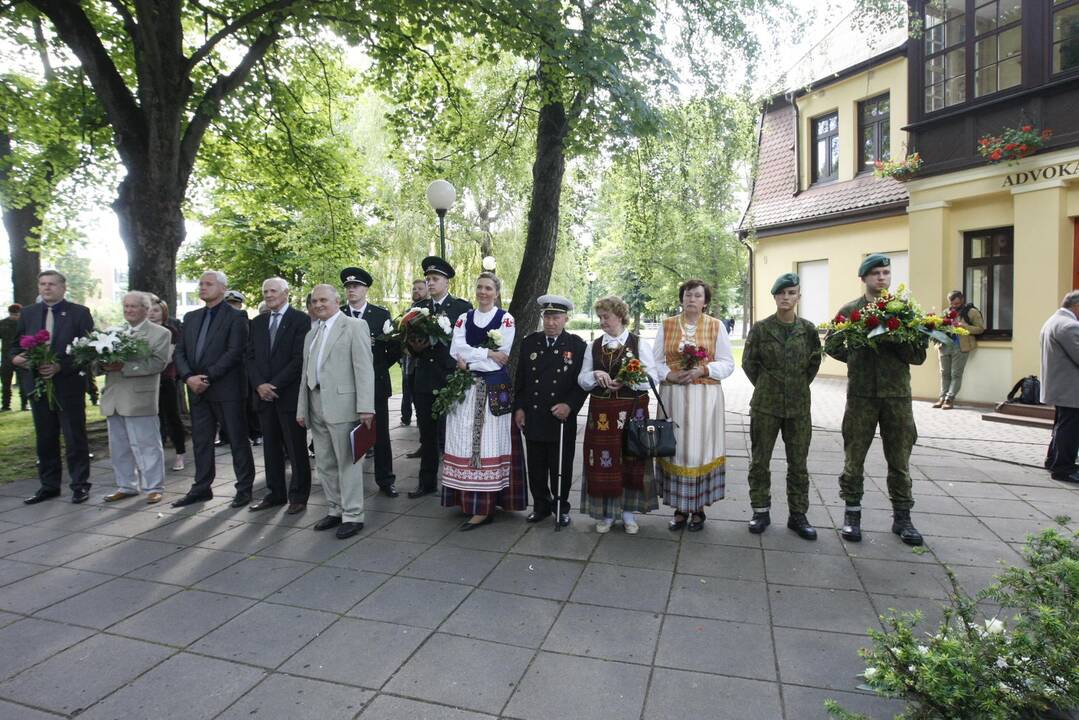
441, 195
489, 263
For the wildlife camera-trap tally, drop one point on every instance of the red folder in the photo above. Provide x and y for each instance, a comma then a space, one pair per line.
363, 439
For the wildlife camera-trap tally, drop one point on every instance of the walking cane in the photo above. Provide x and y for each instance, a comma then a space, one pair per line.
558, 500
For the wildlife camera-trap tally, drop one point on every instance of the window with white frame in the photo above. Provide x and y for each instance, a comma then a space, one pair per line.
813, 275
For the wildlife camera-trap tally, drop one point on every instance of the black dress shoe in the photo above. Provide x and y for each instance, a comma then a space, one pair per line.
41, 496
296, 508
415, 453
563, 520
330, 521
760, 521
80, 496
348, 529
265, 504
240, 500
191, 500
800, 524
696, 525
678, 522
535, 516
420, 492
388, 490
1069, 477
469, 526
405, 423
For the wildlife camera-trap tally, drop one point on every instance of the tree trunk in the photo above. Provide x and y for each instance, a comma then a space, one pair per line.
543, 215
25, 263
152, 227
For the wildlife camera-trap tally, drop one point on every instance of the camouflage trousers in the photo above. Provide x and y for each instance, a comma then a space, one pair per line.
898, 434
797, 433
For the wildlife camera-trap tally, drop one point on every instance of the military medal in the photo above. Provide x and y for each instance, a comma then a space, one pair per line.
532, 356
567, 357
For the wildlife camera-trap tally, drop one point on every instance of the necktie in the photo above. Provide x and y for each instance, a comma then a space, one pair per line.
48, 320
550, 342
204, 330
275, 319
312, 359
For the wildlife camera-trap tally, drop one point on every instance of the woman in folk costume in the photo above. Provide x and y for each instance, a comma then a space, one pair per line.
478, 467
693, 353
614, 485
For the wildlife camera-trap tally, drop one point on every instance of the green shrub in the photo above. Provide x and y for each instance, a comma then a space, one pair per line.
1022, 664
582, 324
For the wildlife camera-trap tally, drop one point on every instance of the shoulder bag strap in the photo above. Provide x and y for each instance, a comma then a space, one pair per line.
666, 415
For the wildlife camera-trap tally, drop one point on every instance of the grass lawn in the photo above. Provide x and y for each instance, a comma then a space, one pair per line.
18, 455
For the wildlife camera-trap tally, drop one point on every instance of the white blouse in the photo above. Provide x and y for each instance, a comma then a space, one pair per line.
721, 367
587, 378
477, 357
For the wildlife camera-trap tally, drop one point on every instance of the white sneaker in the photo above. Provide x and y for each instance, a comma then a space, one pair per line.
178, 463
632, 528
604, 526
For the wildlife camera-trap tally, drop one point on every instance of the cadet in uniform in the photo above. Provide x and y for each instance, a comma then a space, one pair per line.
781, 358
357, 282
878, 391
433, 365
547, 399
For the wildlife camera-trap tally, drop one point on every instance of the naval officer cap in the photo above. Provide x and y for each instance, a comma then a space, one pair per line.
356, 275
872, 262
435, 264
554, 304
784, 281
234, 296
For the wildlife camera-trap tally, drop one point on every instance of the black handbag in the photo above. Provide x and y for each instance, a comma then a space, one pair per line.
650, 437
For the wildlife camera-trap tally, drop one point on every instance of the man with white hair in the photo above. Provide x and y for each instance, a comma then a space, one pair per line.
129, 404
274, 362
337, 392
209, 360
1060, 386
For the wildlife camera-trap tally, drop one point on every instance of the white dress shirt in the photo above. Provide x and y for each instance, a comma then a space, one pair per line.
477, 357
587, 378
324, 332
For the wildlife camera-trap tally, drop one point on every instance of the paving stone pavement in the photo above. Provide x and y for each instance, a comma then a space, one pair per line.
135, 611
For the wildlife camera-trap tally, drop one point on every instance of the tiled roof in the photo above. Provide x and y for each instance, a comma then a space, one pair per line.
774, 201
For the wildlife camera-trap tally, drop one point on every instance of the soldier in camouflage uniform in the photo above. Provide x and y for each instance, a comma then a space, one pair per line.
878, 392
781, 358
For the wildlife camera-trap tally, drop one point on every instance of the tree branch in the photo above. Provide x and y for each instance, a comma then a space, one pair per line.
230, 28
129, 22
42, 48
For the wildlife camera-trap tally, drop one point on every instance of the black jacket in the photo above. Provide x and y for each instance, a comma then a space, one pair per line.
69, 321
545, 377
282, 365
434, 364
384, 353
223, 357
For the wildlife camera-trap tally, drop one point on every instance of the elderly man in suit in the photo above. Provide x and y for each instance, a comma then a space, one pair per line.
1060, 372
209, 360
129, 404
64, 322
274, 363
336, 393
357, 282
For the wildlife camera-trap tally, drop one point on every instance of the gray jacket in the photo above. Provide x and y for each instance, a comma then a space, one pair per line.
1060, 359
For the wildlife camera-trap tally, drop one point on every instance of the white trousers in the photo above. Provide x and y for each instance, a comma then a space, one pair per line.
135, 446
342, 480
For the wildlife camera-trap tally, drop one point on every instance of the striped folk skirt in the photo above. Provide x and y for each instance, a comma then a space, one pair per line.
603, 461
696, 476
482, 467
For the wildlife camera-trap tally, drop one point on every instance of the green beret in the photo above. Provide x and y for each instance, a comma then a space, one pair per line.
785, 281
875, 260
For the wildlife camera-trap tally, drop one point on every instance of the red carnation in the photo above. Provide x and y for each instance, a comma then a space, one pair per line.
893, 323
995, 155
953, 313
1010, 146
856, 316
1023, 148
872, 321
881, 305
1027, 128
840, 318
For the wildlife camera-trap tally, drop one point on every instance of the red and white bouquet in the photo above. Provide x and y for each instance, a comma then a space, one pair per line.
39, 352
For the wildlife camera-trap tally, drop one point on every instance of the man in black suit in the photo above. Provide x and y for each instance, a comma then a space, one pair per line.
65, 321
433, 365
357, 282
209, 360
546, 401
274, 363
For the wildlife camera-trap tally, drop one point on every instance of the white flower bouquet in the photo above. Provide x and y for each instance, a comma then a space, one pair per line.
106, 347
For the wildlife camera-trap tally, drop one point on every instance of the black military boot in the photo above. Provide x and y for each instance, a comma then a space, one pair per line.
761, 520
904, 528
799, 524
852, 524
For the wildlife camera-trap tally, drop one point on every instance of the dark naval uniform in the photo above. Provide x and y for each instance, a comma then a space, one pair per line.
547, 371
781, 361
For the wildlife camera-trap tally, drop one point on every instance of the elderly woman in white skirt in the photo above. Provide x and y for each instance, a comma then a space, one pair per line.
478, 471
692, 356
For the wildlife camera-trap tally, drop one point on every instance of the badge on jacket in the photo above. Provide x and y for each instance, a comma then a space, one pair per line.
567, 357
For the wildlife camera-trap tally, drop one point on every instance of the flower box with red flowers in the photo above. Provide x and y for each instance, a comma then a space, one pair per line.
1013, 144
901, 170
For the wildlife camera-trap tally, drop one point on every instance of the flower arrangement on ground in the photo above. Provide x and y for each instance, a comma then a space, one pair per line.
39, 352
1013, 144
103, 348
458, 383
900, 170
893, 318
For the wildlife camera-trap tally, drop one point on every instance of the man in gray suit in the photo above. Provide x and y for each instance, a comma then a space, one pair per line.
129, 404
1060, 386
337, 391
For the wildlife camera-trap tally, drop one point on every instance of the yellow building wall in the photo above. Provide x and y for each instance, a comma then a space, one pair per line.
844, 96
843, 246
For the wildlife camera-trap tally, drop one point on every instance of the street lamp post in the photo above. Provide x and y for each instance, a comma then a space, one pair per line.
441, 196
591, 279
